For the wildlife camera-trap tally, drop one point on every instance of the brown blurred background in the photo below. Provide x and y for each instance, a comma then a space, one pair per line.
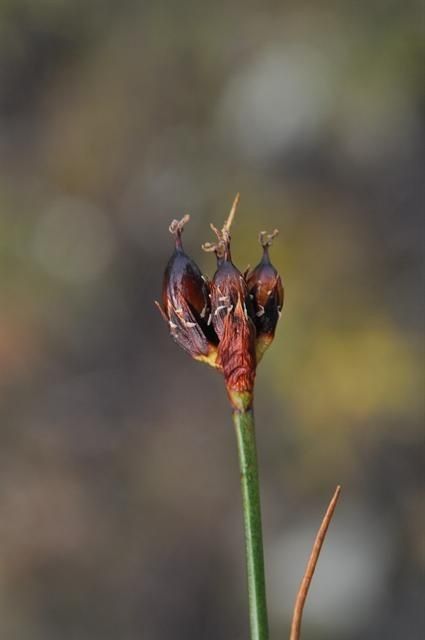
119, 495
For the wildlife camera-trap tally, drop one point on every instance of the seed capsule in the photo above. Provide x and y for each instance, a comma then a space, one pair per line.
231, 316
186, 304
266, 291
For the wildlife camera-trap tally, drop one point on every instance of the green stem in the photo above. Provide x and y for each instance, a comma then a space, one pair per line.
245, 434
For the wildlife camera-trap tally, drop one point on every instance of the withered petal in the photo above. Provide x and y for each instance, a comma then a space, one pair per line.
187, 330
236, 350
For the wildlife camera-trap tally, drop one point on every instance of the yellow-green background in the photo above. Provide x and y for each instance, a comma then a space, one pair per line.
119, 498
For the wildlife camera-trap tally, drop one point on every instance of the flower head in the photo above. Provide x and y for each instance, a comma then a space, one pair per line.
230, 321
185, 302
230, 316
266, 291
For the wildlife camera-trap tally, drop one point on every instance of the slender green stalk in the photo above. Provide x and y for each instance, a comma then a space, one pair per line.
245, 434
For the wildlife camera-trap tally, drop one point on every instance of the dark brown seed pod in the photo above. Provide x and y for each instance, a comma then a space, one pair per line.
186, 303
230, 315
266, 292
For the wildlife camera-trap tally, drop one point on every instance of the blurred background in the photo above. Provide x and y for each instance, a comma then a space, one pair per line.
120, 511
